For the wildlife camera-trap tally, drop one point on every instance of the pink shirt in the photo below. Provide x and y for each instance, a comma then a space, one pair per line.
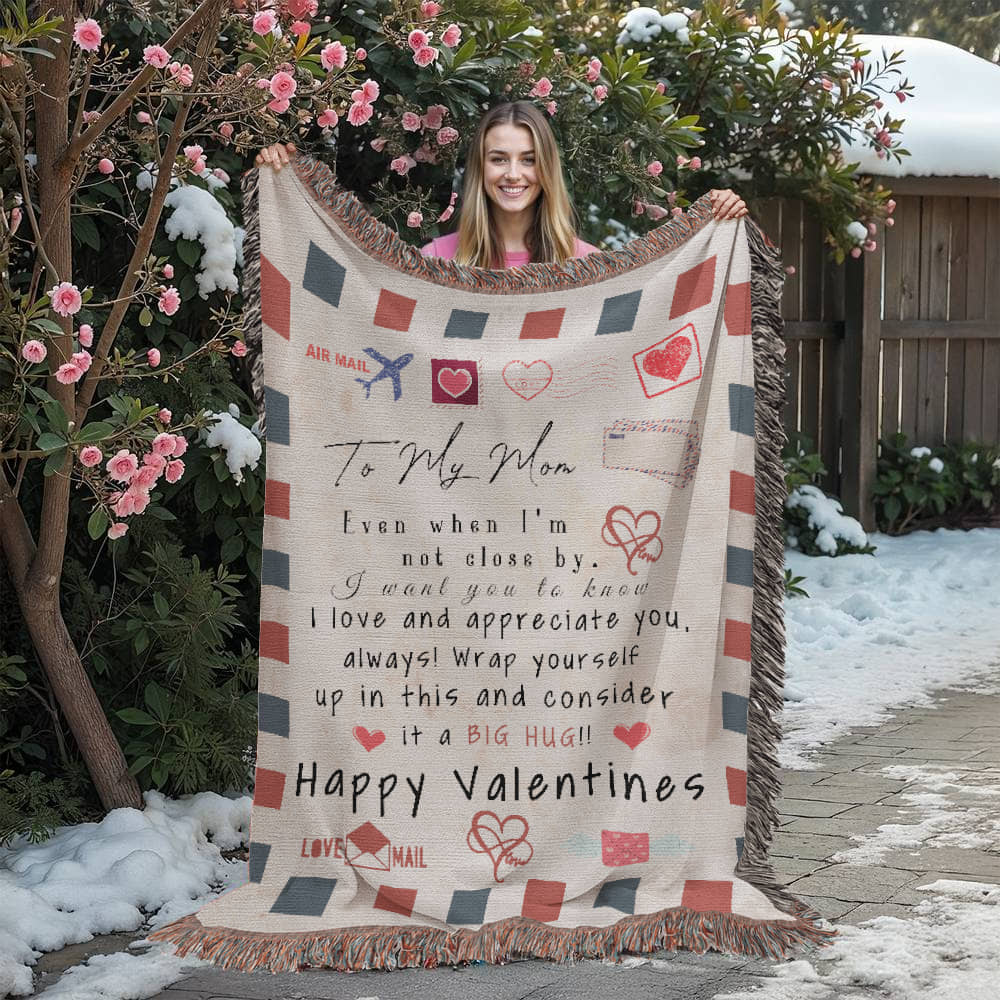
444, 246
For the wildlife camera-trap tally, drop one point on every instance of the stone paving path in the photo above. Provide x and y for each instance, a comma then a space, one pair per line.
819, 811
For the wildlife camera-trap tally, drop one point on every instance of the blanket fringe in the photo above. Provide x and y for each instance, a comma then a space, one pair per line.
375, 947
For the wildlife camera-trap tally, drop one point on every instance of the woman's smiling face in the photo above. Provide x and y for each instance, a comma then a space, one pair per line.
509, 167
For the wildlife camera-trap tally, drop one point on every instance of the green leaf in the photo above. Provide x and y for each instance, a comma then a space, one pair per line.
136, 717
49, 442
139, 763
162, 606
466, 50
97, 523
94, 431
189, 251
145, 316
232, 549
206, 493
43, 323
56, 415
54, 462
157, 700
85, 231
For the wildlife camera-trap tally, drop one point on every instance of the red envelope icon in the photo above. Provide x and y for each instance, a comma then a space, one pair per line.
368, 847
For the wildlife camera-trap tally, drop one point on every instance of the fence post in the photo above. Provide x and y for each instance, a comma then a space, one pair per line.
859, 427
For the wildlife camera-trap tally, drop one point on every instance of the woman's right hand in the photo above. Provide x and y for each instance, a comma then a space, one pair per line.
276, 155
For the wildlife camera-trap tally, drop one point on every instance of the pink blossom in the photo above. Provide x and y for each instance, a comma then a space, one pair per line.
199, 167
870, 245
193, 153
279, 105
378, 143
682, 160
890, 205
15, 219
143, 118
695, 162
872, 228
86, 335
105, 166
174, 471
446, 135
34, 351
155, 461
857, 66
677, 210
300, 27
417, 39
593, 69
403, 164
153, 357
334, 54
146, 477
638, 208
790, 269
890, 222
82, 360
360, 54
656, 211
122, 465
600, 93
359, 112
117, 530
661, 87
446, 214
542, 87
65, 298
855, 251
180, 445
156, 55
226, 130
301, 8
221, 174
168, 270
827, 84
425, 55
91, 116
131, 502
68, 373
452, 36
163, 444
424, 154
879, 104
169, 301
239, 349
411, 121
370, 90
654, 168
429, 8
164, 416
182, 75
90, 455
282, 85
414, 219
434, 116
264, 22
551, 107
901, 95
87, 34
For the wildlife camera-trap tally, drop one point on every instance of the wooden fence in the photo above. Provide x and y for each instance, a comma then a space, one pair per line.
906, 337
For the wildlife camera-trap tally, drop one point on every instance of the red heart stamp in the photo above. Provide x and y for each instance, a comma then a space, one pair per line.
525, 383
454, 381
634, 736
369, 740
669, 360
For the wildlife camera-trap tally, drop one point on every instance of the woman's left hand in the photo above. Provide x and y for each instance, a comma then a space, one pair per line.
727, 204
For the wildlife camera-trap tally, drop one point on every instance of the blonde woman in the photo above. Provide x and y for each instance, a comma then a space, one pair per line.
515, 207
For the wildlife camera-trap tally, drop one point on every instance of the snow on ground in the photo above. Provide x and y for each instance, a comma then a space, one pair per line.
885, 630
950, 810
877, 631
98, 878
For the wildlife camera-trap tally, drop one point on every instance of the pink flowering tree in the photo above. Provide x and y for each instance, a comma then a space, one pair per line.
103, 137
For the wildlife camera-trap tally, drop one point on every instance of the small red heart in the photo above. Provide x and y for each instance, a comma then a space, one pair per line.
669, 360
369, 740
454, 381
634, 736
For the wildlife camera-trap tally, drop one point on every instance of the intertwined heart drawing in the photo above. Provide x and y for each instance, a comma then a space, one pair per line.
504, 841
638, 536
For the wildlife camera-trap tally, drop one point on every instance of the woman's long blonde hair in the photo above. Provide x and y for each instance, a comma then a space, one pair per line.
552, 235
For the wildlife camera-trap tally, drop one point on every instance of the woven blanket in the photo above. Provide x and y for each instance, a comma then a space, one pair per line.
521, 634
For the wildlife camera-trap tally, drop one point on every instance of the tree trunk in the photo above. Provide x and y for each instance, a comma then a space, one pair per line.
37, 572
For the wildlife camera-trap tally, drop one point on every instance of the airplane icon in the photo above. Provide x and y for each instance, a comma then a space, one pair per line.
390, 369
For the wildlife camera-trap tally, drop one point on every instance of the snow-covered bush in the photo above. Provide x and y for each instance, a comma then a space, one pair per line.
817, 525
